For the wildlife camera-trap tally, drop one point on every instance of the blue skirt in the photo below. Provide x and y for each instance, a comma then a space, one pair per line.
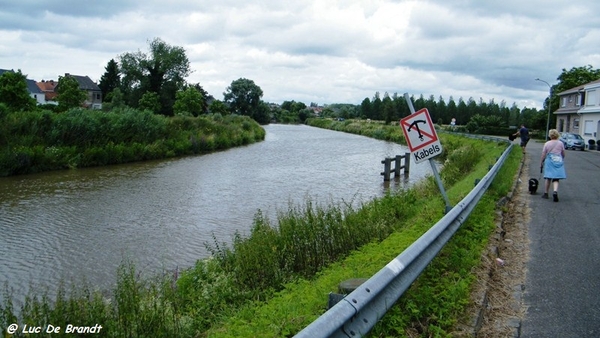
554, 167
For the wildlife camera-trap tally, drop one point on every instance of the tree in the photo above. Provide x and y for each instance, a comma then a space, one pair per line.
453, 111
568, 79
376, 109
114, 100
150, 101
218, 107
576, 76
14, 93
388, 108
262, 114
443, 111
207, 98
162, 71
69, 95
365, 108
462, 117
188, 102
244, 97
111, 79
304, 114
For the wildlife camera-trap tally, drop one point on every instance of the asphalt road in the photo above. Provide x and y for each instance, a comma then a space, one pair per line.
562, 290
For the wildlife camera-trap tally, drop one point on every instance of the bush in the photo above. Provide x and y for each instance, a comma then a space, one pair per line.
94, 138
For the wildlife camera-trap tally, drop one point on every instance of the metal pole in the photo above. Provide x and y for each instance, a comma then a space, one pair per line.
549, 104
436, 175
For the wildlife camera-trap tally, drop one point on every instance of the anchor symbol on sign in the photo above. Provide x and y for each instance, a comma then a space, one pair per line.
415, 124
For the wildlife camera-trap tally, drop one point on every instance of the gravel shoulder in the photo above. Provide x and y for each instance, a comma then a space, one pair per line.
497, 308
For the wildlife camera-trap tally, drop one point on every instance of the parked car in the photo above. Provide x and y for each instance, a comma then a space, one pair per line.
572, 141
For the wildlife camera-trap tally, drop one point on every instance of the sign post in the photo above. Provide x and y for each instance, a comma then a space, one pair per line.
423, 141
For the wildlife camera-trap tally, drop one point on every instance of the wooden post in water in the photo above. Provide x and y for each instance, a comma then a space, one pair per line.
387, 166
398, 166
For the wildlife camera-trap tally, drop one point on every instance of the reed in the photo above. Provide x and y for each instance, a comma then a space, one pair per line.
41, 141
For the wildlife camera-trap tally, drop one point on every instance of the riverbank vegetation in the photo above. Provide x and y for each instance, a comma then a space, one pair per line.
275, 280
37, 141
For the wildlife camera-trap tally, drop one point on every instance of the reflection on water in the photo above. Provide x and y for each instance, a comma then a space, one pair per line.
78, 224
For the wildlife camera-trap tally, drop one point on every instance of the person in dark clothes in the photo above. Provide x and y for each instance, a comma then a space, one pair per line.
524, 134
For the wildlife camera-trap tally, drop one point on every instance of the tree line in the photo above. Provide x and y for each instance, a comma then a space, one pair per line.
472, 115
155, 81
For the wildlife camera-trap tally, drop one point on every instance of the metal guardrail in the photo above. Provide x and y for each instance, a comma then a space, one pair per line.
358, 312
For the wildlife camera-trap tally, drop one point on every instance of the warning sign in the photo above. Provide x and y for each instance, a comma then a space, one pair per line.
420, 135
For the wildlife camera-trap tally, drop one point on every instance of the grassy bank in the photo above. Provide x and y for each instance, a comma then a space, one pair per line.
275, 281
41, 141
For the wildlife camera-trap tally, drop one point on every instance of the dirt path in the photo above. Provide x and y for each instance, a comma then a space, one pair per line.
497, 307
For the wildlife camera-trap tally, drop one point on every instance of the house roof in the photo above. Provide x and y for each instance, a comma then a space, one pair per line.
577, 89
31, 85
85, 82
47, 86
593, 82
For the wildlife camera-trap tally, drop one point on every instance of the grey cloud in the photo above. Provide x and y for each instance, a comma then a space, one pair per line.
85, 8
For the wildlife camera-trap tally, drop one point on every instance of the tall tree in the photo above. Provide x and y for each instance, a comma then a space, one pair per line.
69, 95
442, 111
387, 108
162, 70
365, 109
207, 98
376, 109
111, 79
14, 93
243, 97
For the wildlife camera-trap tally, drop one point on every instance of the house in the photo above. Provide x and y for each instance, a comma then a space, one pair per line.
47, 87
590, 112
94, 99
579, 111
32, 88
35, 92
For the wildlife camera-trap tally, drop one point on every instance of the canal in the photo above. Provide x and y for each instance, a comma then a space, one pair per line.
80, 224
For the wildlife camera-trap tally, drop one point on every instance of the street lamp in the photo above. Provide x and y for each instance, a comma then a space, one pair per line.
549, 104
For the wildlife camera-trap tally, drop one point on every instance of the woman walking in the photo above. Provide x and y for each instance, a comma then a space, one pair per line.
552, 159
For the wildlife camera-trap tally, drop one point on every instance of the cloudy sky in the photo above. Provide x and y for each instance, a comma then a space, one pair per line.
322, 51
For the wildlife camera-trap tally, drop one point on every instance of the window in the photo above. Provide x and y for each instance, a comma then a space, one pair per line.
578, 100
575, 123
588, 127
591, 98
564, 101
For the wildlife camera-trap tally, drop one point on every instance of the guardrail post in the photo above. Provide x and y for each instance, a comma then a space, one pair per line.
344, 288
406, 163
